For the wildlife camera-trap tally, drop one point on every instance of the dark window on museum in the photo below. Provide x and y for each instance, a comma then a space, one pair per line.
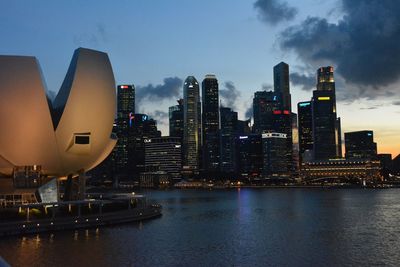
82, 140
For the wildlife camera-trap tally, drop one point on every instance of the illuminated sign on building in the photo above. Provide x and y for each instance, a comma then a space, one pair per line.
304, 104
124, 86
324, 98
131, 118
243, 137
277, 112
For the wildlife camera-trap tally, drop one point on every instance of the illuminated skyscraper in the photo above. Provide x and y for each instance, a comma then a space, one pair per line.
305, 130
191, 137
326, 125
125, 112
210, 123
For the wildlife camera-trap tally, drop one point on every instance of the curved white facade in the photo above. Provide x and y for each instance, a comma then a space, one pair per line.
69, 136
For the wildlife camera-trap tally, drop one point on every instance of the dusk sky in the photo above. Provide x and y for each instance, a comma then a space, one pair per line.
157, 44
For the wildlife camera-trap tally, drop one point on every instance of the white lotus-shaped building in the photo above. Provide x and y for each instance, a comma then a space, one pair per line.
68, 136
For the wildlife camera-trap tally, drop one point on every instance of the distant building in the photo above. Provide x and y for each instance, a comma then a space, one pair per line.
176, 123
191, 116
396, 165
305, 128
143, 129
342, 168
386, 161
274, 156
210, 124
281, 85
360, 145
326, 135
229, 122
156, 179
264, 103
125, 111
249, 155
164, 154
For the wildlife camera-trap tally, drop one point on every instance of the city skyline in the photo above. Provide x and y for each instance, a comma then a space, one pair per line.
147, 47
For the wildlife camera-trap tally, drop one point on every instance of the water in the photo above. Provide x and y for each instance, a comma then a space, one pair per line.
246, 227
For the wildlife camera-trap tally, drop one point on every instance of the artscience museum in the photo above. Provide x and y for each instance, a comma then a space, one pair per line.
43, 142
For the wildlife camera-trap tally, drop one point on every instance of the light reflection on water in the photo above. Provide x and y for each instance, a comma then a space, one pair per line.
246, 227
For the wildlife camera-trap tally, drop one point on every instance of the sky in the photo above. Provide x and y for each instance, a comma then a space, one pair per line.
156, 44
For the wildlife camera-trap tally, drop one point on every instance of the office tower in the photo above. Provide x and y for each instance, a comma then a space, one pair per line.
274, 156
249, 153
306, 143
176, 120
243, 127
386, 161
325, 80
396, 165
325, 124
210, 123
281, 85
264, 103
164, 154
191, 138
360, 145
125, 111
229, 122
143, 128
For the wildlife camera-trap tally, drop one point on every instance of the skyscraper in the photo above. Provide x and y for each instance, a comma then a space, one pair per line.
229, 125
274, 156
191, 138
326, 129
210, 123
360, 145
264, 103
143, 129
281, 85
176, 124
249, 153
164, 154
305, 130
125, 111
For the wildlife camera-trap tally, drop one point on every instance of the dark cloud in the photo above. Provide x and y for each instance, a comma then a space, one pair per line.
249, 112
274, 11
397, 103
171, 88
363, 45
229, 94
306, 82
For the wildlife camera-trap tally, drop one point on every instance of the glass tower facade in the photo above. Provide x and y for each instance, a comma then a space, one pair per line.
210, 124
191, 138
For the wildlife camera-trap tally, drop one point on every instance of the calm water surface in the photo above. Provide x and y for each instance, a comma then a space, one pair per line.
247, 227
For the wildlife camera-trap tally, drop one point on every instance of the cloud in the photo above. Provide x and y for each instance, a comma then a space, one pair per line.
229, 94
160, 116
171, 88
363, 45
306, 82
396, 103
273, 12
